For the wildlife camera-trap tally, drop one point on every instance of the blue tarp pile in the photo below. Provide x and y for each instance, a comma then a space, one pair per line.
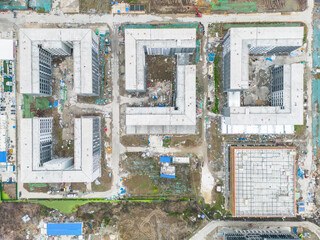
300, 173
211, 57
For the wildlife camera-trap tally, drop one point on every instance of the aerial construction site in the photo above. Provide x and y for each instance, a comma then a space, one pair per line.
159, 120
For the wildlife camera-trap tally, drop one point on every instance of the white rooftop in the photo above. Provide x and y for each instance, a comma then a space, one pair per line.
178, 119
81, 39
138, 40
263, 181
166, 120
82, 170
242, 39
7, 49
268, 119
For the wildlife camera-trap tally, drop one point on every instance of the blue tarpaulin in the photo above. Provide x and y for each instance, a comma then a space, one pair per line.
211, 57
165, 159
3, 156
55, 104
56, 229
167, 176
300, 173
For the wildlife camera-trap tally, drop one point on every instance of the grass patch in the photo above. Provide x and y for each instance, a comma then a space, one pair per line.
70, 206
5, 66
7, 84
217, 72
4, 196
217, 211
300, 129
139, 185
216, 105
166, 142
40, 10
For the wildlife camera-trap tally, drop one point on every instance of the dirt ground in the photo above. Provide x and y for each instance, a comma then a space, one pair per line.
160, 78
143, 177
139, 185
105, 181
134, 141
134, 220
36, 189
124, 220
94, 6
282, 5
186, 141
11, 225
10, 189
215, 150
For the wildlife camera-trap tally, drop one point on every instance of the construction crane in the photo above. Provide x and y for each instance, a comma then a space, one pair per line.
198, 13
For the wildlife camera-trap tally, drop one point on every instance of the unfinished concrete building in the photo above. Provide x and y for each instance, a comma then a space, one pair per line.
179, 118
255, 234
286, 108
36, 152
262, 181
39, 46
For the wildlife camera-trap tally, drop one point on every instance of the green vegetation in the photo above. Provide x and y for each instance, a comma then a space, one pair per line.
5, 66
4, 196
166, 142
42, 103
305, 34
174, 214
7, 84
217, 72
216, 105
217, 211
300, 129
228, 5
70, 206
27, 101
40, 10
106, 220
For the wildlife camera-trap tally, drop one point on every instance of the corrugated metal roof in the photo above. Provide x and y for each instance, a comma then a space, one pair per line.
3, 156
165, 159
56, 229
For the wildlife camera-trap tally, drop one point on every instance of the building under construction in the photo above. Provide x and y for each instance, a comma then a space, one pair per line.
39, 46
286, 109
262, 181
179, 118
256, 234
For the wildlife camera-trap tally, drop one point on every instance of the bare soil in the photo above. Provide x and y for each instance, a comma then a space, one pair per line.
134, 141
160, 79
11, 225
215, 151
160, 68
36, 189
139, 185
10, 189
94, 6
81, 187
105, 180
186, 141
135, 220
